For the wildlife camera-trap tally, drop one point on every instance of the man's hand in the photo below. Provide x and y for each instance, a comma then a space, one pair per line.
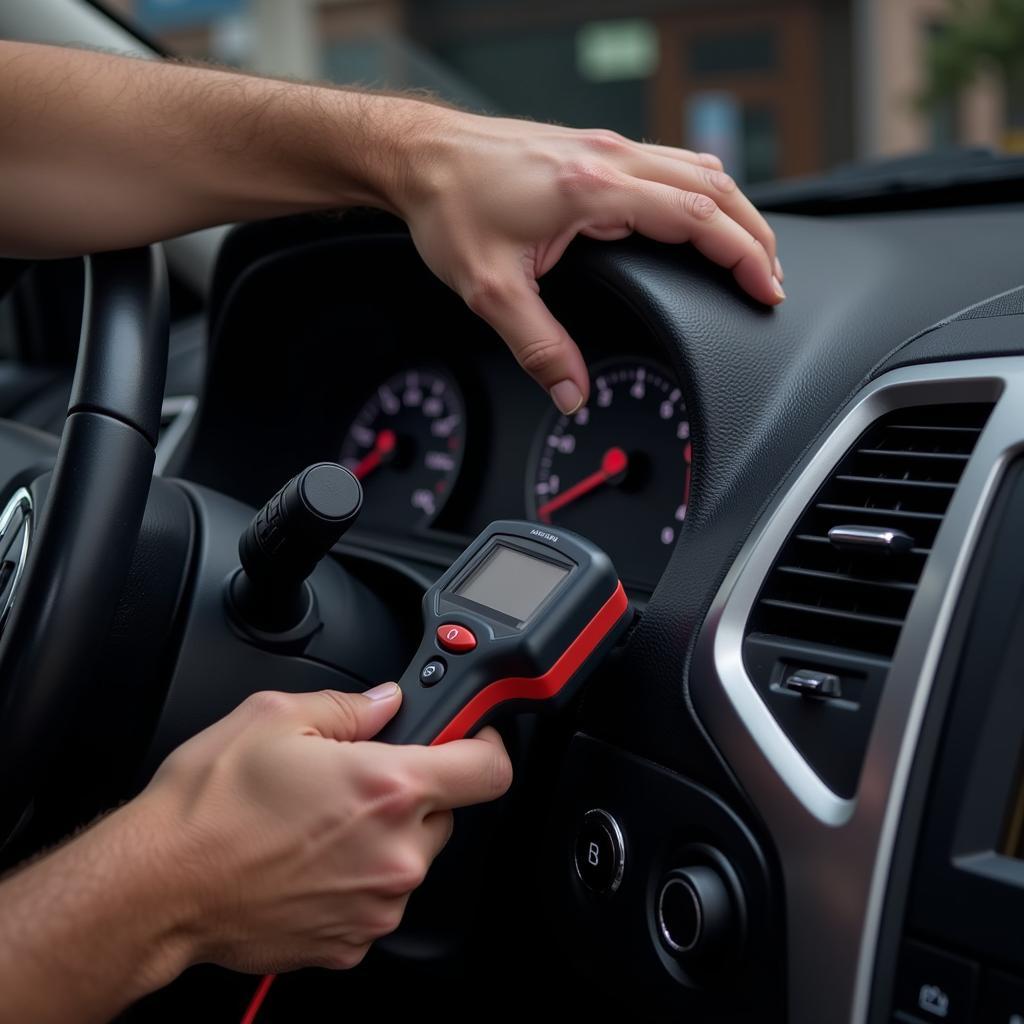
101, 152
493, 203
280, 837
299, 840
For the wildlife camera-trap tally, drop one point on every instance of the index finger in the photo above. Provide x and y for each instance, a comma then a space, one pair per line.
541, 345
462, 772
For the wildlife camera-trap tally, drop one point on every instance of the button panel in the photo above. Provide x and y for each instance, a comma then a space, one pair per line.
455, 638
934, 986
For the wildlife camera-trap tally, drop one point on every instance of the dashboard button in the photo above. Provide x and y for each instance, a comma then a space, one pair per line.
694, 912
456, 639
934, 986
600, 853
433, 672
1004, 1000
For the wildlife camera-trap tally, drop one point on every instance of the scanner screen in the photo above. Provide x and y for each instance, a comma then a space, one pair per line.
512, 582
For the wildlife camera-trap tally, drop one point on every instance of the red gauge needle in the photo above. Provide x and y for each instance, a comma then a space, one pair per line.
383, 445
614, 462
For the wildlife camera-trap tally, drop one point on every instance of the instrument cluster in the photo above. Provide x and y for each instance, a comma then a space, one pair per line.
617, 472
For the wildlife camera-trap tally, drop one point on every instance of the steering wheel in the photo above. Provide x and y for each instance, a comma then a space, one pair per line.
66, 548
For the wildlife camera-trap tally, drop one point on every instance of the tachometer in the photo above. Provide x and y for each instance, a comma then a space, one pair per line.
618, 471
405, 445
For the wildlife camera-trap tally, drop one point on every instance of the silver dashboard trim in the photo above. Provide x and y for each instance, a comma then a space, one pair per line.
17, 512
836, 853
176, 415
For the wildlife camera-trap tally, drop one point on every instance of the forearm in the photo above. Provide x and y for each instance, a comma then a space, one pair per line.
100, 152
92, 926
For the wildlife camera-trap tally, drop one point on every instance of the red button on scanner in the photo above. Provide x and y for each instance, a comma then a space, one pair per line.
456, 639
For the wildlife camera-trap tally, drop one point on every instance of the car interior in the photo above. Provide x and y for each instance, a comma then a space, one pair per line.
793, 791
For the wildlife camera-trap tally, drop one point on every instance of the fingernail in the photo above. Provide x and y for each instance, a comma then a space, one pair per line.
382, 692
778, 288
778, 270
567, 396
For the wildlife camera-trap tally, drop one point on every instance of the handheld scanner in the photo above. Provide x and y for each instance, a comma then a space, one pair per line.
516, 624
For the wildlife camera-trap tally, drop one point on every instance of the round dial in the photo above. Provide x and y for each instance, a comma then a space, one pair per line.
618, 471
405, 445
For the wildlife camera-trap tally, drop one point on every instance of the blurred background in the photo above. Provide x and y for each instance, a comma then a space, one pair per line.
778, 88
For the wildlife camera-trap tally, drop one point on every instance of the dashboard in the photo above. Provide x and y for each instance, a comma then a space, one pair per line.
445, 432
727, 455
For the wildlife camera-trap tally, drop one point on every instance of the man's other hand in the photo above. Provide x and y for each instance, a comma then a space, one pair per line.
492, 204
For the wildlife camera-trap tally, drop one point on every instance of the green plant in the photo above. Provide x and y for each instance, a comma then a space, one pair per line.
978, 35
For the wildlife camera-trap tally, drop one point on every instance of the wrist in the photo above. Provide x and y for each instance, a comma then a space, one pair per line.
139, 842
405, 154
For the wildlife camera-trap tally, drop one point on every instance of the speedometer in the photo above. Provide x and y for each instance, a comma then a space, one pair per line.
618, 471
405, 445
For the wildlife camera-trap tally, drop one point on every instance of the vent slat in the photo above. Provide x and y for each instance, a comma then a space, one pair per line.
835, 613
898, 513
936, 428
902, 472
841, 577
883, 481
904, 453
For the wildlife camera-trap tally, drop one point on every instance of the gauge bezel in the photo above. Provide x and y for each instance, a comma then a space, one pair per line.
553, 415
425, 522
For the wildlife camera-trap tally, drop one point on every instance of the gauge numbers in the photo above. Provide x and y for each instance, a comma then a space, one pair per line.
406, 445
618, 471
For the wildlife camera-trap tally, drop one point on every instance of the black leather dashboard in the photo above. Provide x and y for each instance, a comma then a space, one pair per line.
760, 385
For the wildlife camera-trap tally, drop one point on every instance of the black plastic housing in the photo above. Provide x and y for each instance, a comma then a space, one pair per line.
506, 650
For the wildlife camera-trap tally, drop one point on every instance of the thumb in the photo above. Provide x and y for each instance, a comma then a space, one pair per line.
349, 716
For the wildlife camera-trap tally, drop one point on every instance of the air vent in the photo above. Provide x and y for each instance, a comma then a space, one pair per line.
825, 625
883, 505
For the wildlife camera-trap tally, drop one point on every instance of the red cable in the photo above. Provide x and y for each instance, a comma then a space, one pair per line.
257, 998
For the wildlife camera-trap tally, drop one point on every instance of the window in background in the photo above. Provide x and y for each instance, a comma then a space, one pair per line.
733, 53
748, 84
538, 73
760, 144
942, 112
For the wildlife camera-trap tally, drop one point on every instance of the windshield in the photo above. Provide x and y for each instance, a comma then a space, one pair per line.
777, 88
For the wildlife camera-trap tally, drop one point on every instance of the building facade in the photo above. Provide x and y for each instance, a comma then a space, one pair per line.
778, 87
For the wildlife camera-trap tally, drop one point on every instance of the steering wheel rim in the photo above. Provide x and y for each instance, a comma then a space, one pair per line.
80, 549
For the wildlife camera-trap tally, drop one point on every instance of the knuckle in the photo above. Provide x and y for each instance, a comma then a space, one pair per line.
345, 958
385, 923
719, 181
341, 708
397, 793
697, 206
486, 292
405, 873
269, 703
582, 178
604, 140
539, 357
